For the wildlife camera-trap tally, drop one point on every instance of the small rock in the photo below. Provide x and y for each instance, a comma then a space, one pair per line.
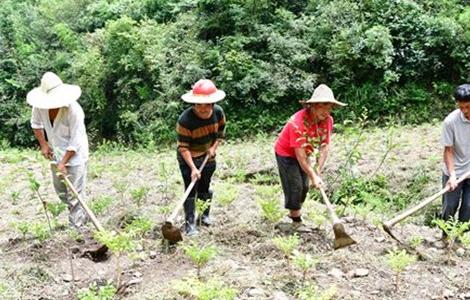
255, 293
348, 219
435, 297
135, 281
137, 274
67, 277
139, 248
436, 280
447, 294
380, 239
361, 272
336, 273
460, 252
153, 254
280, 296
465, 296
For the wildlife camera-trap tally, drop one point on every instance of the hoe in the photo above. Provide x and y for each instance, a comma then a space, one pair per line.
169, 231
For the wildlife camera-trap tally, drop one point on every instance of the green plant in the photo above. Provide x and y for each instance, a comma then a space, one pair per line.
34, 187
40, 231
398, 261
14, 196
200, 256
201, 206
304, 262
56, 208
208, 290
226, 193
23, 227
416, 241
121, 187
140, 226
287, 244
99, 205
118, 243
139, 195
454, 229
310, 292
93, 292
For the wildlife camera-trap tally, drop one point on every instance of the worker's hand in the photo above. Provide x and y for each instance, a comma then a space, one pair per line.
452, 182
316, 182
62, 168
46, 151
195, 174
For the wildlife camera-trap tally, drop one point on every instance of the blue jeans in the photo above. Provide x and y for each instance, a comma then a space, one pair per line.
451, 201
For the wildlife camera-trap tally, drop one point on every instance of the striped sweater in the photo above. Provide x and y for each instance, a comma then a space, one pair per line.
197, 134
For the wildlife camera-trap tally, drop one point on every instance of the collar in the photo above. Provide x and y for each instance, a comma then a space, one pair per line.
462, 117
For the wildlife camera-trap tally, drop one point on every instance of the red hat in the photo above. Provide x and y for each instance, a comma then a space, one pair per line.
204, 91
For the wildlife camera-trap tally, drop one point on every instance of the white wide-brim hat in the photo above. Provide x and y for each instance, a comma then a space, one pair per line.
204, 92
53, 93
323, 94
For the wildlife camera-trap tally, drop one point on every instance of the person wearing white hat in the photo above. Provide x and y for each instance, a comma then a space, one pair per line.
306, 134
58, 125
200, 129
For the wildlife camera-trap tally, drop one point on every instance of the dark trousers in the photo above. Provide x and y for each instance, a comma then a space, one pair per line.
452, 200
201, 188
294, 182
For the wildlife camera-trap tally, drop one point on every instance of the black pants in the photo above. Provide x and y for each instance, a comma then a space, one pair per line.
201, 188
460, 197
294, 182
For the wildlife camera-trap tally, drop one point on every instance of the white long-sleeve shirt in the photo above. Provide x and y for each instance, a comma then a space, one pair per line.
67, 133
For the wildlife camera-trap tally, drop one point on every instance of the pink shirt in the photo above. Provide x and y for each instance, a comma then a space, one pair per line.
301, 132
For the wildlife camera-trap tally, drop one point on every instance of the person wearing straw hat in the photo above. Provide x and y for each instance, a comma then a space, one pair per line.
200, 129
307, 134
58, 125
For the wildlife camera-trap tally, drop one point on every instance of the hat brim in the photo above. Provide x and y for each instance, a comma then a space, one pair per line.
60, 96
203, 99
333, 101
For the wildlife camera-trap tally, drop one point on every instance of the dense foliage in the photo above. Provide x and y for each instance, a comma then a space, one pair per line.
398, 59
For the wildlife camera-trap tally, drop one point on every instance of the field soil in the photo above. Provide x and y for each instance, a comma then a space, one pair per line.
247, 260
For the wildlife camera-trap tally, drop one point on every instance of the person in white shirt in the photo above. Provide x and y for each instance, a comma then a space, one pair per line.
58, 124
456, 142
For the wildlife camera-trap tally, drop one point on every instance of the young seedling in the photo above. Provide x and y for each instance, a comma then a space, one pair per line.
201, 206
106, 292
99, 205
287, 244
118, 243
227, 193
39, 230
270, 209
200, 256
304, 262
398, 261
454, 230
121, 187
139, 195
23, 227
310, 292
209, 290
34, 187
416, 241
14, 196
139, 227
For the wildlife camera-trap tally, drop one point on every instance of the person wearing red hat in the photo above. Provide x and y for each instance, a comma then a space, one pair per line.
306, 134
200, 129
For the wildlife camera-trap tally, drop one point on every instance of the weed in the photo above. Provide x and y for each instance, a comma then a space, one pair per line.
209, 290
200, 256
121, 187
23, 227
398, 261
106, 292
